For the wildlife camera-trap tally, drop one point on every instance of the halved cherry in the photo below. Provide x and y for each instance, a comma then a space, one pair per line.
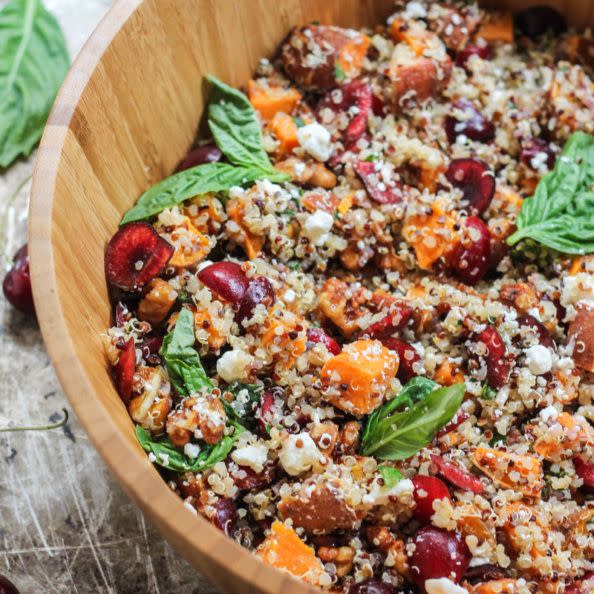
474, 125
470, 258
536, 151
406, 353
437, 554
225, 516
260, 290
226, 279
356, 100
317, 335
456, 475
585, 470
381, 190
124, 371
399, 315
208, 153
476, 181
427, 490
458, 419
6, 586
17, 283
372, 586
544, 336
135, 255
482, 51
495, 356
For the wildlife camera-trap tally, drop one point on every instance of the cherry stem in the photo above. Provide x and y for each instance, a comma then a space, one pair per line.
49, 427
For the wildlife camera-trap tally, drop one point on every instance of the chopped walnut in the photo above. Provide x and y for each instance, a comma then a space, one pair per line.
200, 413
341, 557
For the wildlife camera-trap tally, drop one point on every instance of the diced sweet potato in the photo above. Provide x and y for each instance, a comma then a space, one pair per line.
335, 305
448, 374
191, 246
413, 35
431, 235
285, 129
252, 243
318, 509
357, 379
581, 335
523, 529
283, 336
511, 471
564, 438
581, 264
283, 549
471, 523
157, 302
497, 26
321, 57
269, 101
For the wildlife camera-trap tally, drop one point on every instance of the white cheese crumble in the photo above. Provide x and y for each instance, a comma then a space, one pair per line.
191, 450
316, 141
233, 365
549, 413
443, 586
578, 287
415, 10
254, 456
317, 227
380, 494
299, 453
538, 359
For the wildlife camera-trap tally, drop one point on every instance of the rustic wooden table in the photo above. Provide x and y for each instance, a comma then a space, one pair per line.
65, 525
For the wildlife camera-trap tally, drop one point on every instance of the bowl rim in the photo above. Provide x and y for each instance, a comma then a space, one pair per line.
220, 559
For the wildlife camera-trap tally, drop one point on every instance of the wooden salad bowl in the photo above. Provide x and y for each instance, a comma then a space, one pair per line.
127, 113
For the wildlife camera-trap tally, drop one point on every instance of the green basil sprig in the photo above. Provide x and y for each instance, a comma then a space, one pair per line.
236, 130
560, 215
181, 358
243, 410
390, 475
168, 456
401, 435
33, 62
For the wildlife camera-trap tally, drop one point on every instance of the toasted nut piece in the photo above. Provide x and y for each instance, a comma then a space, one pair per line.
318, 508
581, 335
341, 557
151, 407
308, 173
325, 435
522, 296
384, 540
155, 305
349, 437
335, 51
204, 413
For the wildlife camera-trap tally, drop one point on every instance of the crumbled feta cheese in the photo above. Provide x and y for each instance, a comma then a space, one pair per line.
577, 287
317, 226
233, 365
191, 450
550, 412
415, 10
381, 495
538, 359
254, 456
443, 586
316, 141
299, 453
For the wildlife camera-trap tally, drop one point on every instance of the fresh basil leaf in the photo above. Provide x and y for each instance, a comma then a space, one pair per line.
235, 126
339, 73
245, 397
172, 458
414, 391
560, 214
487, 392
401, 435
33, 62
390, 475
202, 179
181, 358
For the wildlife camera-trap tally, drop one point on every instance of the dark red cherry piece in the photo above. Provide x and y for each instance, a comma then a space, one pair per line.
476, 181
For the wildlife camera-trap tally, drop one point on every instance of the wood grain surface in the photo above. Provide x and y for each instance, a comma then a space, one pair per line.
127, 113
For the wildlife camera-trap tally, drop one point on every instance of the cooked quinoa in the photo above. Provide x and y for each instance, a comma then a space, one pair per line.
375, 278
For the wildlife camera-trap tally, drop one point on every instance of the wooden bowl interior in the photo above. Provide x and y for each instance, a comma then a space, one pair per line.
127, 113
